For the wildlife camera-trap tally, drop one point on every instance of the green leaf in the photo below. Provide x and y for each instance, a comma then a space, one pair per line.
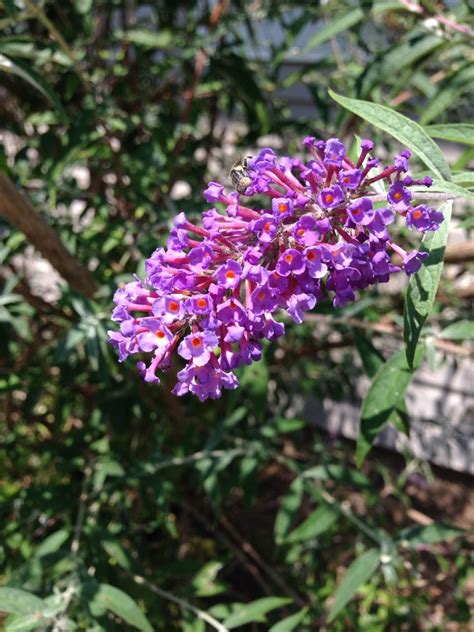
448, 93
288, 624
464, 178
19, 601
150, 39
339, 473
428, 534
402, 129
254, 611
462, 330
52, 543
24, 623
23, 70
423, 285
288, 509
335, 26
455, 132
382, 399
204, 582
122, 605
316, 523
370, 357
441, 186
358, 573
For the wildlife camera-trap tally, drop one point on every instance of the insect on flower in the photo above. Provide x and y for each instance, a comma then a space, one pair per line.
239, 174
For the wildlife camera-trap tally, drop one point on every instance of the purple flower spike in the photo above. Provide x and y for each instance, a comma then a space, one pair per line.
214, 292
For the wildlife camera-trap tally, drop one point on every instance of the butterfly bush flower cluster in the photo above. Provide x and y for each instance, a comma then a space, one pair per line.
301, 232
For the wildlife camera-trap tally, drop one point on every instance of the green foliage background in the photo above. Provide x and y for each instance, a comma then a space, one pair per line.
121, 506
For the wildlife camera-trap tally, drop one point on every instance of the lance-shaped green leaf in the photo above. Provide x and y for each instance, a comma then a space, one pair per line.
19, 601
288, 624
255, 611
319, 521
402, 128
455, 132
462, 330
23, 70
448, 94
419, 535
122, 605
358, 573
336, 25
423, 285
383, 398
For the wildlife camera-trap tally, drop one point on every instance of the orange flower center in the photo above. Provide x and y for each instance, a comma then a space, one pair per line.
311, 255
282, 207
397, 195
160, 334
300, 232
196, 342
230, 275
267, 228
417, 214
328, 198
173, 306
201, 302
289, 258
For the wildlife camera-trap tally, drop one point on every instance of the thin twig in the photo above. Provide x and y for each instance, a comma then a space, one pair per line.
386, 328
185, 605
57, 37
239, 554
251, 552
81, 511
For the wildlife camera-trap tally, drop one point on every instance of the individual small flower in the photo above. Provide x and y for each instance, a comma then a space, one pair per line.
331, 196
282, 208
169, 308
291, 261
266, 228
412, 261
198, 347
315, 264
361, 211
299, 304
399, 196
229, 274
334, 152
350, 178
214, 192
306, 231
423, 218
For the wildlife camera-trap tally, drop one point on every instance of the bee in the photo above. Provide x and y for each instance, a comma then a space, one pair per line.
239, 174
